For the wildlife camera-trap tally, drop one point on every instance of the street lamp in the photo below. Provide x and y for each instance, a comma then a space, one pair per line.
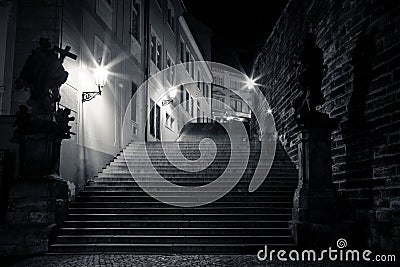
172, 94
250, 82
100, 78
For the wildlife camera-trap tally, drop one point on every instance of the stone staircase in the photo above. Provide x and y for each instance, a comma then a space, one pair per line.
113, 214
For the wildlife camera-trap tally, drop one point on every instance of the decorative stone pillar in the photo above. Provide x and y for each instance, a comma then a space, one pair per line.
38, 197
315, 200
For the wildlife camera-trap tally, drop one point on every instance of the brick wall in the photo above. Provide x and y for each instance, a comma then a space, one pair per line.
361, 45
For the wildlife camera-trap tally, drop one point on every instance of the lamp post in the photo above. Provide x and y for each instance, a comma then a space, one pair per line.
100, 76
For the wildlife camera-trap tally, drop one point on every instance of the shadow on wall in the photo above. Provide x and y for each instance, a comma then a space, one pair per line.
79, 164
358, 133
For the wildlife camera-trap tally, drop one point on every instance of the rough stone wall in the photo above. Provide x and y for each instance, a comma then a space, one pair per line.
361, 44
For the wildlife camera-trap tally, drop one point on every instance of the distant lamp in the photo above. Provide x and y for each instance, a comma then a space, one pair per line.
172, 93
250, 83
269, 111
167, 102
100, 78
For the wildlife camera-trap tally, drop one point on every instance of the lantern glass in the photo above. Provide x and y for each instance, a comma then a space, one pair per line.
100, 75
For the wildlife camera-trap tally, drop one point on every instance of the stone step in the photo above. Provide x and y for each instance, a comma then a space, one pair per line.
175, 231
165, 248
137, 204
216, 162
151, 182
184, 157
174, 239
269, 180
250, 223
207, 210
183, 176
186, 216
97, 198
210, 169
125, 191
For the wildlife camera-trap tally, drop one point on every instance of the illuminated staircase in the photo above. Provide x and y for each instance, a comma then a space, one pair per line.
113, 214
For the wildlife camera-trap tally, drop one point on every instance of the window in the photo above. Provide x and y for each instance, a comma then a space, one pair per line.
152, 118
191, 106
205, 90
153, 48
182, 51
169, 121
182, 93
198, 80
187, 60
170, 71
104, 9
219, 102
158, 122
187, 101
158, 55
167, 117
198, 112
102, 53
236, 105
156, 51
171, 16
218, 80
235, 84
133, 101
135, 20
193, 71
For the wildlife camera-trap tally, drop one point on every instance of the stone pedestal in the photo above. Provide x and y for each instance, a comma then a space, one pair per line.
315, 201
38, 198
36, 206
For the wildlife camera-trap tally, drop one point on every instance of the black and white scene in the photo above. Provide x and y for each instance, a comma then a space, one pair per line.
199, 133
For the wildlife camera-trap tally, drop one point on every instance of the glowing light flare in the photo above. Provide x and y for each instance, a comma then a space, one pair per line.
100, 76
251, 82
173, 92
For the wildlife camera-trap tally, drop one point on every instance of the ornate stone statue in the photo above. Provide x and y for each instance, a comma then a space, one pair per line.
63, 119
309, 76
43, 73
40, 194
41, 125
315, 199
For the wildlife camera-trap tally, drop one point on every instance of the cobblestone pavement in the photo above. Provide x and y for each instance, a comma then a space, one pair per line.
110, 260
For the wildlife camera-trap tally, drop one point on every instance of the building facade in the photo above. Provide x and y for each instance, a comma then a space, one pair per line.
132, 40
172, 43
228, 105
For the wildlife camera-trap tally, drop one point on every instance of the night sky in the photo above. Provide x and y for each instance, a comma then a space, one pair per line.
240, 28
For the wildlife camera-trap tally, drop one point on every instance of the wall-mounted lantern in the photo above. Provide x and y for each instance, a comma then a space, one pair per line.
100, 77
172, 94
167, 102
